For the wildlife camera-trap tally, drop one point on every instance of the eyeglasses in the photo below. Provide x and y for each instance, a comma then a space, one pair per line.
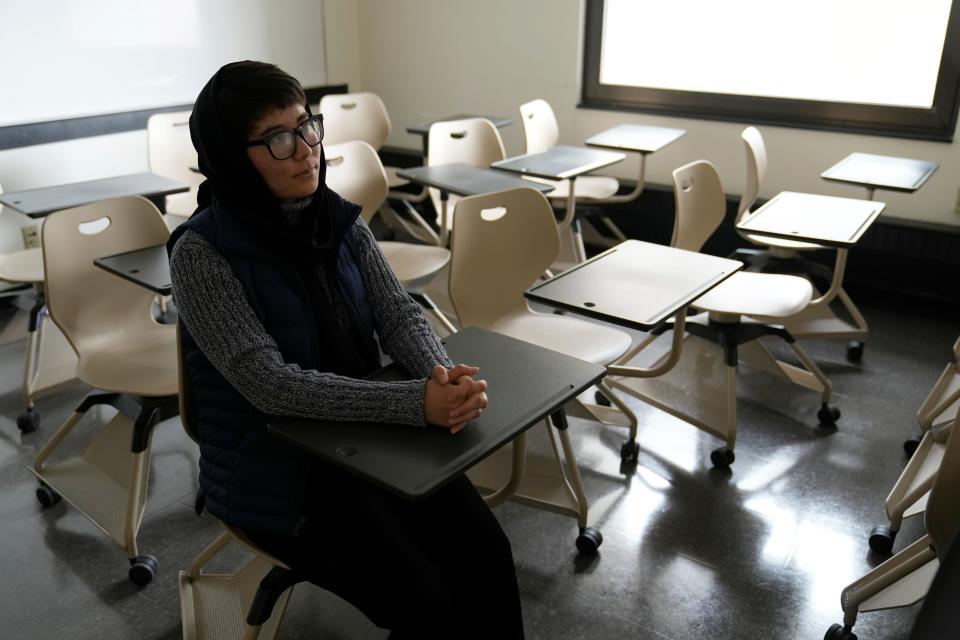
283, 144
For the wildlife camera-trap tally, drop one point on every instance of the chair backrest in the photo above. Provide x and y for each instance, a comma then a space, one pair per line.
540, 128
942, 517
503, 244
170, 151
355, 116
756, 152
355, 172
474, 141
91, 306
700, 204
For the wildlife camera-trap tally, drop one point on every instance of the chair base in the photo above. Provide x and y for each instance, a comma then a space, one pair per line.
107, 483
550, 482
212, 607
701, 388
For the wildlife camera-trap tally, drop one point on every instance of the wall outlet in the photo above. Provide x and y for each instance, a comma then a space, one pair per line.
31, 236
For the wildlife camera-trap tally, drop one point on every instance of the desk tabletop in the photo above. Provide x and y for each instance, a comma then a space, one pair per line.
526, 383
560, 162
423, 129
882, 172
37, 203
635, 137
147, 267
635, 284
467, 180
808, 217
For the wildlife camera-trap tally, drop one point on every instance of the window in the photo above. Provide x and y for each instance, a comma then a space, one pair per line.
884, 67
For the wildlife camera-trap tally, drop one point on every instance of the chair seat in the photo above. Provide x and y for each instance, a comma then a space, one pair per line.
22, 266
142, 363
782, 243
414, 262
587, 187
571, 336
758, 294
393, 180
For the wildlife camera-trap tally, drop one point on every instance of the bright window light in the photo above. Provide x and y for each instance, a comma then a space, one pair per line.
873, 52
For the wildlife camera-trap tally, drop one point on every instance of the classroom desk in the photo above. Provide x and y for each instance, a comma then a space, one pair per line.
43, 201
828, 221
634, 138
638, 285
881, 172
462, 179
563, 163
526, 384
148, 268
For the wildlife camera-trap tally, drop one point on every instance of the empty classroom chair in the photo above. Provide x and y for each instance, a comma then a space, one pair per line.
905, 578
354, 171
123, 353
782, 255
736, 314
49, 360
170, 153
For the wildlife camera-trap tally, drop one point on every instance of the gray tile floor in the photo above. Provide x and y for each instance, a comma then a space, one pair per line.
689, 552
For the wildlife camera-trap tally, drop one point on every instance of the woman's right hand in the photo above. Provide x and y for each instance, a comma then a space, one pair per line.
451, 401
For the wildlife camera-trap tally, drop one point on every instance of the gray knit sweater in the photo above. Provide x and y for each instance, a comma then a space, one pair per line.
212, 304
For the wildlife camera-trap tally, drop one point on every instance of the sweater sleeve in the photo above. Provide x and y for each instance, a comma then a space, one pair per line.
405, 334
214, 308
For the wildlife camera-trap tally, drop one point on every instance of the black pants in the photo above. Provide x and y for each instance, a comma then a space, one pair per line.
438, 568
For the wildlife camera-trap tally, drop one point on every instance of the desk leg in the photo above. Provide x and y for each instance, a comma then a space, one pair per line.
574, 225
444, 219
590, 538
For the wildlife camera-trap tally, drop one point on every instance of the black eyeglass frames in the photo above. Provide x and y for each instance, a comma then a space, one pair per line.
283, 144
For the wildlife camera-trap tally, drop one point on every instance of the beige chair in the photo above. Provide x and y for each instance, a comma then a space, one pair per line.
503, 243
49, 362
473, 141
910, 493
737, 313
170, 153
354, 171
211, 604
905, 578
784, 256
541, 132
363, 116
123, 353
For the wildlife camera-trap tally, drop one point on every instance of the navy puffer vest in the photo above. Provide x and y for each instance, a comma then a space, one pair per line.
249, 478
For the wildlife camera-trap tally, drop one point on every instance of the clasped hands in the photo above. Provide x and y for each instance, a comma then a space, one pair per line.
453, 397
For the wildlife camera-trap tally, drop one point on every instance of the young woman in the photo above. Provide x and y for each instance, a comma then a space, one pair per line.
284, 299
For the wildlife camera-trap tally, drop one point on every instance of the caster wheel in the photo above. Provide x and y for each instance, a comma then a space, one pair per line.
28, 421
630, 452
722, 458
828, 415
910, 445
855, 351
589, 541
143, 569
881, 540
47, 496
839, 632
601, 399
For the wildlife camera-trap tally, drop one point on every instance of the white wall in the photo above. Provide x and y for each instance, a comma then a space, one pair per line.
289, 33
437, 57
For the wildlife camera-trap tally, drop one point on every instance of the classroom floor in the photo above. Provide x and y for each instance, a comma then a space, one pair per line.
689, 552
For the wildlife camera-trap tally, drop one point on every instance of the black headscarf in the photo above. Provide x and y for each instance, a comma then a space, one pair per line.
233, 181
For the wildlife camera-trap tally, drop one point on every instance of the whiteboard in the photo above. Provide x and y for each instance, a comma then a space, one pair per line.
71, 58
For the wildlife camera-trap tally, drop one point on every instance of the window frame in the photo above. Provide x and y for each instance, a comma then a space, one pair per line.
936, 123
